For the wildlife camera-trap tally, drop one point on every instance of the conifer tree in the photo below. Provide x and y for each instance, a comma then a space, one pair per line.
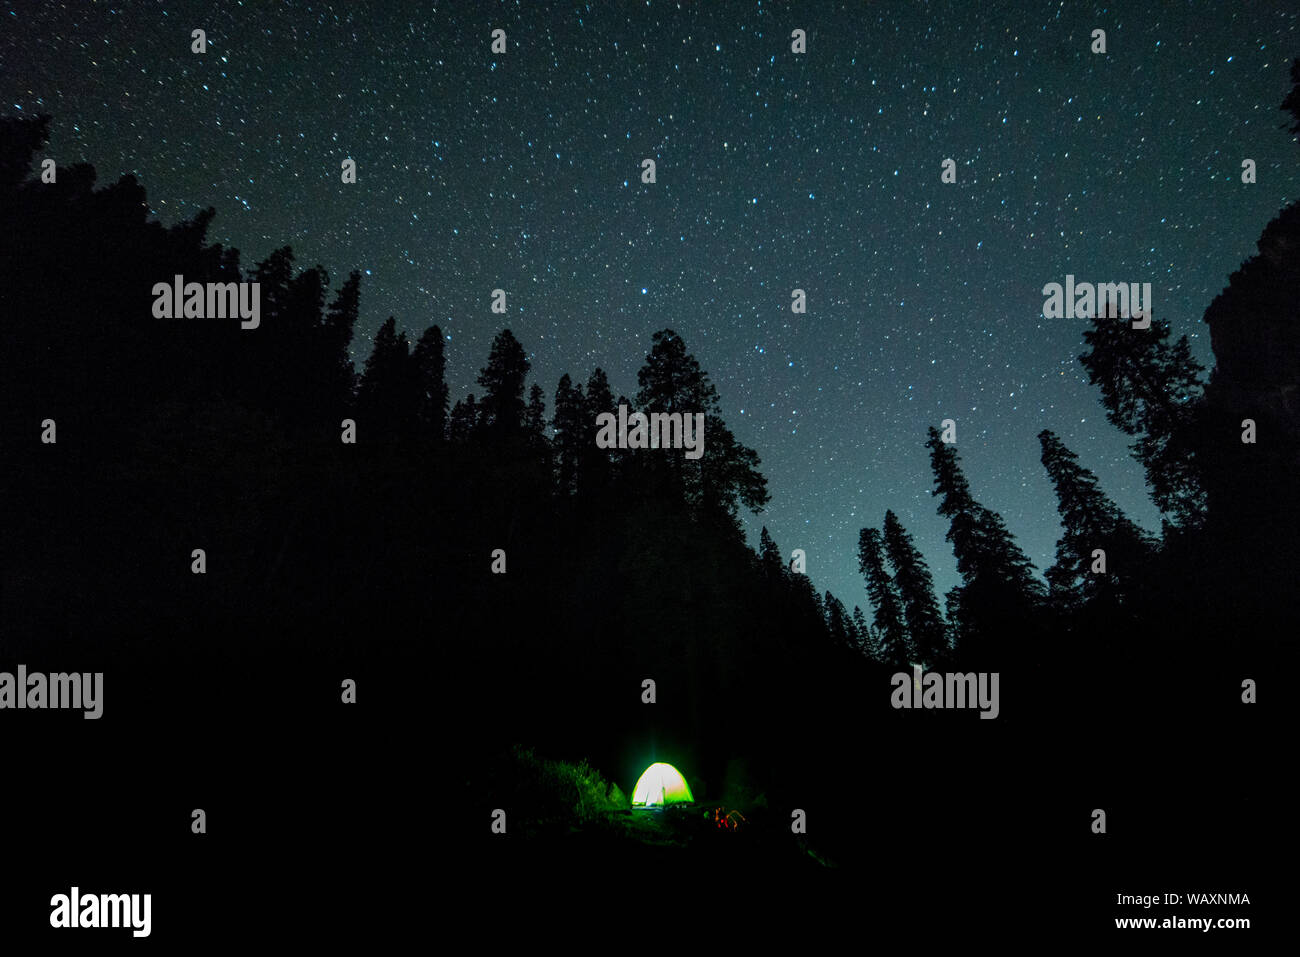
535, 418
862, 632
298, 345
501, 407
999, 596
339, 372
893, 646
838, 623
727, 475
595, 465
915, 586
599, 397
570, 434
430, 367
462, 425
769, 557
1090, 521
1152, 389
385, 398
273, 275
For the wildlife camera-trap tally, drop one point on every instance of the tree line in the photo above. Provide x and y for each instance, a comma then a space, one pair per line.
618, 564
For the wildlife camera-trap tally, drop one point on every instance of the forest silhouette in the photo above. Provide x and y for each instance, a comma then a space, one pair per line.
328, 560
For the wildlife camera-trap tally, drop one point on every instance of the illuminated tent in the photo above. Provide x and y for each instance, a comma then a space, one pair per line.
661, 784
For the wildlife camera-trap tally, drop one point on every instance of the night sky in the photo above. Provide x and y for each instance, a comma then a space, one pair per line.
776, 171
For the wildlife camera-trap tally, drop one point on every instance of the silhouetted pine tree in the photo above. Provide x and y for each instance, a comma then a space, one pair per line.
339, 376
671, 381
275, 273
265, 364
385, 398
298, 343
862, 632
429, 360
570, 434
925, 625
595, 465
535, 424
462, 425
1090, 521
599, 397
999, 597
805, 604
1152, 389
838, 623
893, 646
501, 408
769, 558
727, 475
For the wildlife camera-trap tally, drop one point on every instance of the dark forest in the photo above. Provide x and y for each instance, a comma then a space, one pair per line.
350, 521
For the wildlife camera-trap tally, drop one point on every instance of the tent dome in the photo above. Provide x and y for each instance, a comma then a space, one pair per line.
661, 784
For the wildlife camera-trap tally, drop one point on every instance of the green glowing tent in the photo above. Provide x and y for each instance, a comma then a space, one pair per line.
661, 784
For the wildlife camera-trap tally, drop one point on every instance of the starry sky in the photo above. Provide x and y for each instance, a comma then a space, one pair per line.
776, 171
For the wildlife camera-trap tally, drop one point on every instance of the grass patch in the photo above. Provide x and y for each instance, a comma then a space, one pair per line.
557, 795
